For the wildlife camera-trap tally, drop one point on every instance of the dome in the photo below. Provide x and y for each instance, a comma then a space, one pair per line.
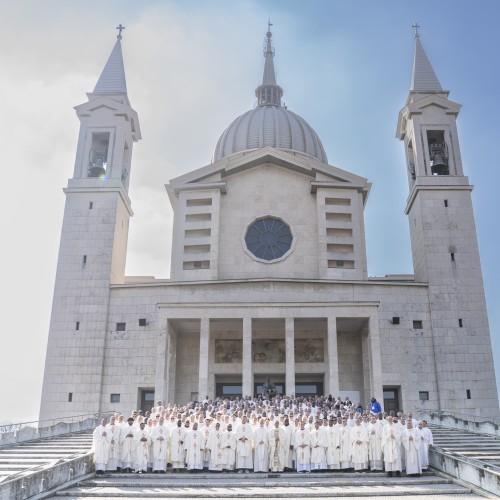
273, 126
270, 123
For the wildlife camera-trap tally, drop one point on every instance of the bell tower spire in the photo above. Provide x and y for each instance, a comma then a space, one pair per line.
269, 93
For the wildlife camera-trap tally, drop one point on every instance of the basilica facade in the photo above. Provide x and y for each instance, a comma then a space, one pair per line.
269, 280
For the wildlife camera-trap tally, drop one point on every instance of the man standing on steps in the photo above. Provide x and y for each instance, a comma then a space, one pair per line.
141, 446
160, 443
244, 446
177, 450
279, 444
303, 448
411, 439
101, 440
318, 445
128, 445
375, 430
194, 445
261, 447
114, 458
359, 446
426, 441
391, 447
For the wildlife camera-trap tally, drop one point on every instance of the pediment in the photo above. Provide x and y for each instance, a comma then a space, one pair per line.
217, 175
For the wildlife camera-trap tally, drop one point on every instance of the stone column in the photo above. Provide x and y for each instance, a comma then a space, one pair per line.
246, 369
375, 359
333, 358
290, 356
203, 367
171, 363
161, 366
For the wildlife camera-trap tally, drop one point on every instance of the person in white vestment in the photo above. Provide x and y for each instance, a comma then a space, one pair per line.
177, 449
141, 444
279, 445
412, 441
194, 446
375, 446
345, 445
160, 444
229, 449
391, 447
128, 445
261, 448
243, 436
101, 438
114, 458
359, 446
206, 429
426, 441
214, 445
318, 447
303, 449
333, 444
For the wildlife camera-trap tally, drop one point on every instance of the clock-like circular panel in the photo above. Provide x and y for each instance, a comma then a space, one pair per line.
268, 238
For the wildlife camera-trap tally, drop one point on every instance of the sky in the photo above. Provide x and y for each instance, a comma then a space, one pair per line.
191, 68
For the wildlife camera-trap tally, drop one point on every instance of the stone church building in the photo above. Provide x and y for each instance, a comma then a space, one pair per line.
269, 269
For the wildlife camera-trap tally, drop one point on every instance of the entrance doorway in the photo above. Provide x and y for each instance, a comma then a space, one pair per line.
391, 399
146, 399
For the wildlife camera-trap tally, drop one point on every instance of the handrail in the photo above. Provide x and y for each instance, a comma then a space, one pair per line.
59, 420
460, 415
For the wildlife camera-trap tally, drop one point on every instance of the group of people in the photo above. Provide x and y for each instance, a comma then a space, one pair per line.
263, 435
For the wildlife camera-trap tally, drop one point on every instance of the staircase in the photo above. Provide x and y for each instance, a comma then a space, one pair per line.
230, 486
481, 448
21, 457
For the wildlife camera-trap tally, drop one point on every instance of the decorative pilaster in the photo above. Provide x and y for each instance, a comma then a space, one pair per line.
290, 356
203, 367
333, 360
247, 374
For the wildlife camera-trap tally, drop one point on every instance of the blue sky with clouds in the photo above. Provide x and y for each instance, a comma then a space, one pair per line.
192, 67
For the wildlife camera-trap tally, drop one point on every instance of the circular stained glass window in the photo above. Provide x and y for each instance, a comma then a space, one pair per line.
269, 238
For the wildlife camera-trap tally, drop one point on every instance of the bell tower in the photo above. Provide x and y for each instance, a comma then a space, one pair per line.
93, 245
444, 244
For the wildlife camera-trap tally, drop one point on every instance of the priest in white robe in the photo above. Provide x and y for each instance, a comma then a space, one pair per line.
160, 443
333, 445
261, 448
214, 445
194, 446
229, 449
391, 447
243, 436
318, 447
206, 429
345, 445
426, 441
279, 445
114, 458
128, 445
359, 446
375, 445
411, 440
177, 448
101, 438
141, 445
302, 447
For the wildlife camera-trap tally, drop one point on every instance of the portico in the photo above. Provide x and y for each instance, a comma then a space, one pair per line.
234, 350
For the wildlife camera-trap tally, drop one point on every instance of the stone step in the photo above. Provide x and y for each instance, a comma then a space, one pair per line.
291, 485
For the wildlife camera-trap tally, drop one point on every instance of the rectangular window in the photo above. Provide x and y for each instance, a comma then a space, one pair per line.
446, 203
77, 325
197, 233
98, 156
143, 322
395, 320
423, 395
196, 264
198, 217
339, 232
340, 217
194, 249
468, 394
91, 205
452, 255
120, 327
115, 398
199, 202
346, 264
339, 248
338, 201
84, 260
70, 397
417, 324
460, 323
